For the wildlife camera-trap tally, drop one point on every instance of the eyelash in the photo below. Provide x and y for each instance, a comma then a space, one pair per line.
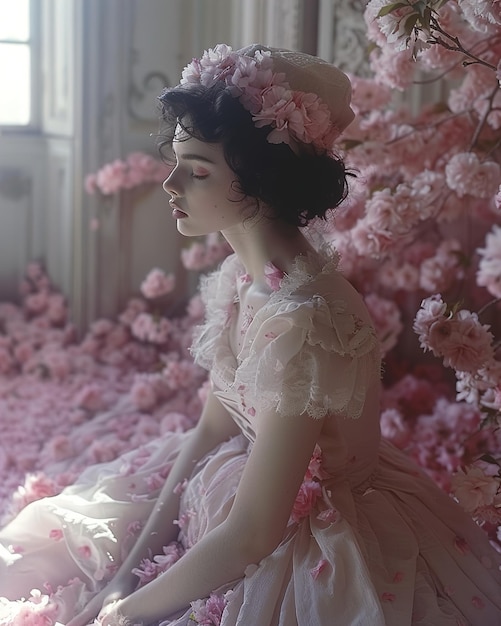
199, 176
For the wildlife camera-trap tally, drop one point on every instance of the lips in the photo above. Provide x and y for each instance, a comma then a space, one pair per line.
177, 213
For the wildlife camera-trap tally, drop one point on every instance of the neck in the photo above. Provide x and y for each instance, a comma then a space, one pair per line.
261, 240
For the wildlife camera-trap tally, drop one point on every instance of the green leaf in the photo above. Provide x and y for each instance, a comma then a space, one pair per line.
425, 20
409, 23
389, 8
488, 458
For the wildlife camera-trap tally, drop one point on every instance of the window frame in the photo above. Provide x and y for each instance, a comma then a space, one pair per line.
36, 103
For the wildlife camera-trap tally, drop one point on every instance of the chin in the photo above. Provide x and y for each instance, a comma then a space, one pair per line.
191, 231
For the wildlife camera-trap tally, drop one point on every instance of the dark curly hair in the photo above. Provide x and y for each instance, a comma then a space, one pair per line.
297, 187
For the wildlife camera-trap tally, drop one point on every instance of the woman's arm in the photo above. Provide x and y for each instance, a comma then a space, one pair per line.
255, 525
215, 426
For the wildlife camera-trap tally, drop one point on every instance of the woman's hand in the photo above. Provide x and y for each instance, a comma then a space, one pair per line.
112, 593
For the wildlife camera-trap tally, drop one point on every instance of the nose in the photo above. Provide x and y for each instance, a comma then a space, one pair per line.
171, 185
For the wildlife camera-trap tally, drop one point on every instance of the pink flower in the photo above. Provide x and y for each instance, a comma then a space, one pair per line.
308, 494
60, 447
157, 284
368, 95
394, 428
437, 273
135, 306
208, 612
36, 487
90, 397
387, 320
90, 184
473, 488
111, 177
273, 276
465, 174
37, 302
38, 610
143, 394
148, 328
6, 361
432, 310
464, 343
489, 268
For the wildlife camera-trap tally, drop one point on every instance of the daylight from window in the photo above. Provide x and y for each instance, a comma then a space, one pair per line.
15, 63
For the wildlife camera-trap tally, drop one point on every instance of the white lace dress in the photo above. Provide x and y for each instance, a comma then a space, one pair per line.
371, 542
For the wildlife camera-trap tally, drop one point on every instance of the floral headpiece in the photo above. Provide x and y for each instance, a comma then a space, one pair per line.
281, 89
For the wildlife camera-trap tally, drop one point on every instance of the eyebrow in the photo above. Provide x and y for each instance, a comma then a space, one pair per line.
194, 157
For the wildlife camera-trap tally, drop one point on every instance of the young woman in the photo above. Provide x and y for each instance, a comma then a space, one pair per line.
285, 506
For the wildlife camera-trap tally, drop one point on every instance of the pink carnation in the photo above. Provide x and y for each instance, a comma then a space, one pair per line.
157, 284
461, 340
36, 487
38, 610
432, 310
143, 394
146, 327
90, 397
208, 612
6, 361
465, 174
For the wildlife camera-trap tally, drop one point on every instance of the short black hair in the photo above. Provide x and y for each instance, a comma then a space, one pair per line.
297, 187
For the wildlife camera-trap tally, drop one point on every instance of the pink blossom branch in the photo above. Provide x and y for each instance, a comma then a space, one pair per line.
483, 119
458, 47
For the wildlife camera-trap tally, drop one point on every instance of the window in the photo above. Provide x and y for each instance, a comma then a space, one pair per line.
16, 63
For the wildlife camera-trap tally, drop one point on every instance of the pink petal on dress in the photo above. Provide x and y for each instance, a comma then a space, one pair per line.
315, 572
477, 602
273, 276
56, 534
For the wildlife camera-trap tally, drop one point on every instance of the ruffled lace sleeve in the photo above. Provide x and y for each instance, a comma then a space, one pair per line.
310, 356
218, 294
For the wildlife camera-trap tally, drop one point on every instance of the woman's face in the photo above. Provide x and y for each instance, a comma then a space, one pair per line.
203, 189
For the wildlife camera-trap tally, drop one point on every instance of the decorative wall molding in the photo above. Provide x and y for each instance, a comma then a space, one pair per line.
341, 35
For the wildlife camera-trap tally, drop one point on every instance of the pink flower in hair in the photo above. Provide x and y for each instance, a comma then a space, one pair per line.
279, 111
